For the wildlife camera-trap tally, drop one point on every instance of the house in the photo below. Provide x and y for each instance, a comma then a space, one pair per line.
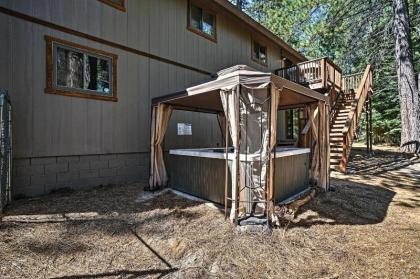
81, 76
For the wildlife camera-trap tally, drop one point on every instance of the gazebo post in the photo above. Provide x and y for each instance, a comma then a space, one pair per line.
237, 154
226, 161
268, 181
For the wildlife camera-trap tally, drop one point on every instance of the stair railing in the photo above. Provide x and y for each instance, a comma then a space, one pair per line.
350, 84
364, 89
334, 97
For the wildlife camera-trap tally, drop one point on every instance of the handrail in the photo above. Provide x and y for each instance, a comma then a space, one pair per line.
362, 93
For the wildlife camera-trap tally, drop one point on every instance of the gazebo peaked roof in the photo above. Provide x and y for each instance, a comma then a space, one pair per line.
205, 96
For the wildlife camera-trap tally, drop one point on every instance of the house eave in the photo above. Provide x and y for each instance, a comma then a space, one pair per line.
230, 8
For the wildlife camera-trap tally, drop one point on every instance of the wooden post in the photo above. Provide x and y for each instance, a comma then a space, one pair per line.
367, 126
226, 159
324, 72
237, 154
370, 127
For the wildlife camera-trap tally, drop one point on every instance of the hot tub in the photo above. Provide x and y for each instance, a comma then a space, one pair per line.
201, 172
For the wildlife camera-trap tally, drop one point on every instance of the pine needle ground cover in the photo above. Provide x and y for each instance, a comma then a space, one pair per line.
369, 227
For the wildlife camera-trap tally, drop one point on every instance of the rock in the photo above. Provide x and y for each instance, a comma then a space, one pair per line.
215, 269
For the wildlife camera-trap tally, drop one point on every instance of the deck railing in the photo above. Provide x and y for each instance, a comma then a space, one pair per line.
350, 84
317, 74
363, 91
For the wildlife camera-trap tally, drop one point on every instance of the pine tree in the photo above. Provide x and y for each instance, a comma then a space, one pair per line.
353, 33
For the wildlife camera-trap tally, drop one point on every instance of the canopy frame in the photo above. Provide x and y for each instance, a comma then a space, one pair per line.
192, 98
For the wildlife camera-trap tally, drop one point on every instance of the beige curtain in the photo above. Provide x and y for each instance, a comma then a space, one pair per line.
160, 120
314, 115
324, 146
230, 103
221, 119
319, 142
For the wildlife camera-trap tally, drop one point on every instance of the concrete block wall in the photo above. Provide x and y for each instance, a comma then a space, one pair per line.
39, 176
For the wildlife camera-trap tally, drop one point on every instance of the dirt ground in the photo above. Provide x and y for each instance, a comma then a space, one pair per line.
369, 227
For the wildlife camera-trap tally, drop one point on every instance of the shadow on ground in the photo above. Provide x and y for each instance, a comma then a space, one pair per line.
378, 163
122, 274
364, 195
349, 204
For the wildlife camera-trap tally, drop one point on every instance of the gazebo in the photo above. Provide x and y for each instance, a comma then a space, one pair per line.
246, 102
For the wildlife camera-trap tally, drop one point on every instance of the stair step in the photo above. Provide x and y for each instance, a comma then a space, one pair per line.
343, 117
336, 148
335, 167
335, 161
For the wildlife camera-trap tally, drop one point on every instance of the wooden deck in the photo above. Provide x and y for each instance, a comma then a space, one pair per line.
349, 96
318, 74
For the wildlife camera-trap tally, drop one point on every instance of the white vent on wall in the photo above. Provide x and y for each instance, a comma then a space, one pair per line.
184, 129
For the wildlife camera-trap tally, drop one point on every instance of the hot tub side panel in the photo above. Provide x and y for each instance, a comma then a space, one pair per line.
200, 177
291, 176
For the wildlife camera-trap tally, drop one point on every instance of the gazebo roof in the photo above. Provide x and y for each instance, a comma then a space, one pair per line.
205, 96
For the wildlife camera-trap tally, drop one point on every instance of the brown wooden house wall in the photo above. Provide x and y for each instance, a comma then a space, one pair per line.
47, 125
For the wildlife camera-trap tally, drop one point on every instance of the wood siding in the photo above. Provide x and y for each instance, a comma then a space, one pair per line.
52, 125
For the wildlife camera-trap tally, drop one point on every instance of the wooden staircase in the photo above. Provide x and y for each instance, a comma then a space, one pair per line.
348, 96
343, 107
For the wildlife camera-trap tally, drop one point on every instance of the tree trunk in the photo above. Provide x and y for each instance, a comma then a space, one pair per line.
239, 4
407, 87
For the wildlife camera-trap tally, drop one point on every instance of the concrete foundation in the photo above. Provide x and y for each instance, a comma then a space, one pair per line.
39, 176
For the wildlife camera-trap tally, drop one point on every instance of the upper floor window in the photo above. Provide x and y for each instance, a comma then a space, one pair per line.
287, 63
80, 71
118, 4
201, 21
259, 53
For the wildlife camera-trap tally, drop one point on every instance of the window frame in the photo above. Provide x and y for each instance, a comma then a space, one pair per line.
198, 31
255, 59
120, 7
290, 124
51, 83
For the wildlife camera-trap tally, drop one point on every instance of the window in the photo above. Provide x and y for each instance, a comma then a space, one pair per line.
289, 124
202, 21
79, 71
259, 53
287, 63
295, 121
118, 4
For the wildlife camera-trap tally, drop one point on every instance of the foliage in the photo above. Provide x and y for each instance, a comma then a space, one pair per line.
353, 33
